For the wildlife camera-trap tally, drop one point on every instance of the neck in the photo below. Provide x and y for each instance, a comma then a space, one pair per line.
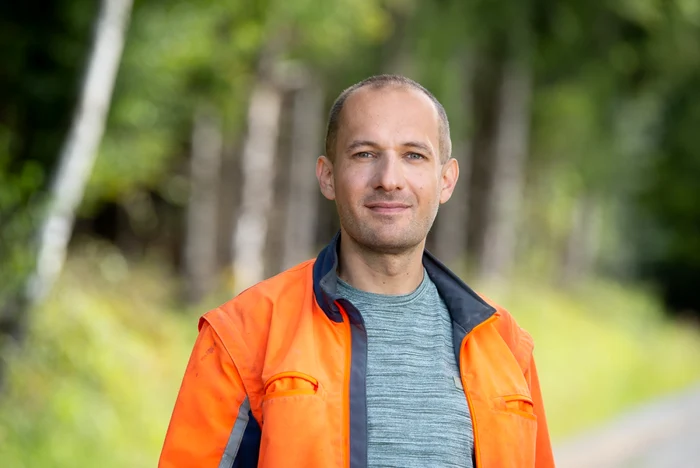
380, 273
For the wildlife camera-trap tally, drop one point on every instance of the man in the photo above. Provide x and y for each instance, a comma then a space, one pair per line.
374, 354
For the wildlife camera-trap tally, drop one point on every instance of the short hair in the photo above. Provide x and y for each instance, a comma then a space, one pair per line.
378, 82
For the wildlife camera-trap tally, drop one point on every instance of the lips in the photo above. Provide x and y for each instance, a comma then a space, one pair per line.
387, 207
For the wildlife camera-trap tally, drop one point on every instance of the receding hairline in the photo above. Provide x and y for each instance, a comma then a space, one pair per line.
377, 83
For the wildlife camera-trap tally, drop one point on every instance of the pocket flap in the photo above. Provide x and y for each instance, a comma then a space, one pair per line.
290, 383
517, 403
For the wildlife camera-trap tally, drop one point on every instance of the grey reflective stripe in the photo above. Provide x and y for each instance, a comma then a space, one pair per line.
358, 386
358, 397
234, 440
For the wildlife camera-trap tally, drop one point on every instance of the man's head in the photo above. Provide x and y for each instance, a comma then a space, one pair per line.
387, 163
386, 81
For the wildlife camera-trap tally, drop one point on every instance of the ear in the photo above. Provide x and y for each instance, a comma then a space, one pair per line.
324, 174
450, 174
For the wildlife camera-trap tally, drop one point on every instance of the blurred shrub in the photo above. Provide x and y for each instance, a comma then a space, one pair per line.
96, 381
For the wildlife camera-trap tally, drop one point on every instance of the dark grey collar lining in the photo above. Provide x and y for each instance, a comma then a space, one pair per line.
465, 306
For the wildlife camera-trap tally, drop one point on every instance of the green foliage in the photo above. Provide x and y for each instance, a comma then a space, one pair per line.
17, 217
669, 213
181, 54
95, 382
42, 61
170, 61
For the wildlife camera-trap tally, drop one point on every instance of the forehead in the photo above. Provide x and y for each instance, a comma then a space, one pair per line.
389, 114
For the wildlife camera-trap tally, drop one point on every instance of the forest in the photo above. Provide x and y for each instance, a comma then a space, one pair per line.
157, 157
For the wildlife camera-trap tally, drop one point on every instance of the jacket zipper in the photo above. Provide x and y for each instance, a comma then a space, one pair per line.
477, 456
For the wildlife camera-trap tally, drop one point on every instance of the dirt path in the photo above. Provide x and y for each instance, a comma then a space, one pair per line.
664, 433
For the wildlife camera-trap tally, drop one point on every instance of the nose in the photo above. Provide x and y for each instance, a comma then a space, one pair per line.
389, 175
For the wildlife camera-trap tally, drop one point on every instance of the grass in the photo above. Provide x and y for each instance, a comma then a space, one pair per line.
95, 383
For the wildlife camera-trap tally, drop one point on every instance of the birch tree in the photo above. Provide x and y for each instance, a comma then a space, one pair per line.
75, 163
258, 170
80, 148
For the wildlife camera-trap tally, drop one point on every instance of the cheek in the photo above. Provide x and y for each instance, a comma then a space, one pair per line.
351, 184
425, 190
346, 192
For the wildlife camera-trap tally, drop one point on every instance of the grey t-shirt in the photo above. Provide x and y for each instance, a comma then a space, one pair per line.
417, 416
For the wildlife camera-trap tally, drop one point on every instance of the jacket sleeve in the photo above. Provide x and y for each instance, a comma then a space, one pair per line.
212, 411
544, 457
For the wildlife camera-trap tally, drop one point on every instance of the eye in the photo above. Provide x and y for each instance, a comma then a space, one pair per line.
363, 155
415, 156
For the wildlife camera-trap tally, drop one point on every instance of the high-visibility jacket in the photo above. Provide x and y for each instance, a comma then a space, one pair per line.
277, 378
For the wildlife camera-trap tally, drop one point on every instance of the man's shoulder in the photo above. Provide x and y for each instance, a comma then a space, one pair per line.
256, 304
517, 338
290, 281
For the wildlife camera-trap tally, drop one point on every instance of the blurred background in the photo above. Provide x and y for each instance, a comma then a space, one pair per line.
158, 156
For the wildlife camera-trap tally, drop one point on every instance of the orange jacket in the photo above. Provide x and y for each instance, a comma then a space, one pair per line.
277, 378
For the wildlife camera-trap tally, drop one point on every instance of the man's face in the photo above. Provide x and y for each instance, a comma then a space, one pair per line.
387, 178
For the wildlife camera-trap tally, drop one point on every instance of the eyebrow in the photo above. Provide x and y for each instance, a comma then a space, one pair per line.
361, 143
364, 143
418, 145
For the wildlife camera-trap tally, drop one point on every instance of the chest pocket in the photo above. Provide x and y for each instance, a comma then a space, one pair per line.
295, 423
512, 417
289, 384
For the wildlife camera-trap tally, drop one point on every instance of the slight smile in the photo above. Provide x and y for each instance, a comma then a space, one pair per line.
387, 207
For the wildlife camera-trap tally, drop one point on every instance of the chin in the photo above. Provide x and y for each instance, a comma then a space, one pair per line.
394, 237
390, 243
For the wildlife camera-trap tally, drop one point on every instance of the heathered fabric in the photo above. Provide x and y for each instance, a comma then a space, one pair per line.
416, 414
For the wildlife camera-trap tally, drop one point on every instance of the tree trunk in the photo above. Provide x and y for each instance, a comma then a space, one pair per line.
229, 196
450, 242
80, 149
582, 242
303, 193
484, 96
510, 154
450, 239
396, 56
257, 184
202, 211
274, 244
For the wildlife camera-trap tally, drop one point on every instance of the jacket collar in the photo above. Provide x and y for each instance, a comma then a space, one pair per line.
465, 306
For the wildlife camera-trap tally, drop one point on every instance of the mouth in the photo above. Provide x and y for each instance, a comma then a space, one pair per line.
387, 207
